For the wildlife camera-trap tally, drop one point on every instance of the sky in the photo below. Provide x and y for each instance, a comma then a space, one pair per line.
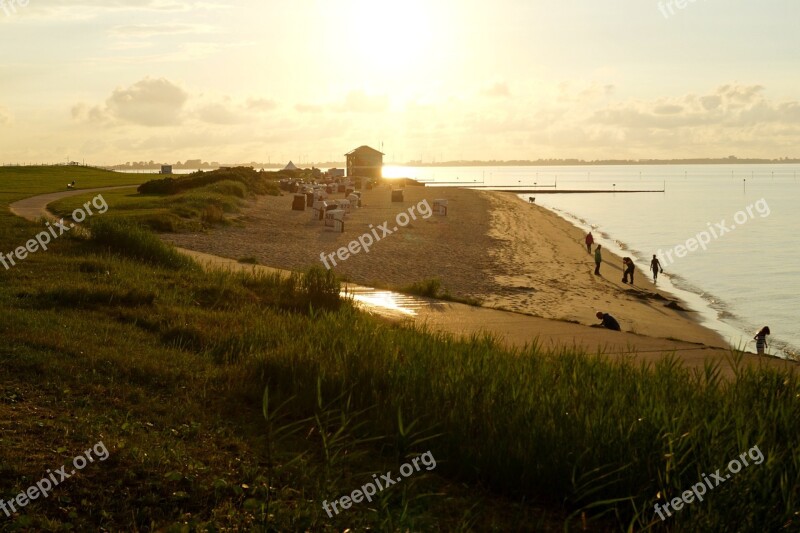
111, 81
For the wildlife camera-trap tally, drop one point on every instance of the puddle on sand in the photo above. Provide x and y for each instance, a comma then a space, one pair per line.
383, 302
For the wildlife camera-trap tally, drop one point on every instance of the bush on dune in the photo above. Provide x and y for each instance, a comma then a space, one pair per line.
253, 181
135, 241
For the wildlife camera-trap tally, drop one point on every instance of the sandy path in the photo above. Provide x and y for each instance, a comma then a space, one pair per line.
36, 206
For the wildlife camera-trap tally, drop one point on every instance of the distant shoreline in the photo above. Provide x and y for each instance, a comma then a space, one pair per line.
607, 162
156, 167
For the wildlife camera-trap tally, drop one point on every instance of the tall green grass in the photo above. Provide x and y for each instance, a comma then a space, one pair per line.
134, 241
606, 438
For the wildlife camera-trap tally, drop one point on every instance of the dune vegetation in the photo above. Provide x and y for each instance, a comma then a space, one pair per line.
244, 401
184, 203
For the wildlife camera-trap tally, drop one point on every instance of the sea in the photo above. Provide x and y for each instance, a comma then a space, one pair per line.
725, 234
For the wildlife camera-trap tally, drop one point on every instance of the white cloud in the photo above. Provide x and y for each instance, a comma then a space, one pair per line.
260, 104
160, 102
149, 102
151, 30
497, 90
222, 113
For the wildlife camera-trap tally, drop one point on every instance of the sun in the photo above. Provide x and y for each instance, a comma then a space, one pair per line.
390, 36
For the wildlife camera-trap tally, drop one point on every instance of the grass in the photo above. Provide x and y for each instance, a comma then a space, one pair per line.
241, 402
432, 288
185, 204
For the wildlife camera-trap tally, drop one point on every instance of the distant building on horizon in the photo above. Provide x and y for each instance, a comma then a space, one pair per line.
335, 172
291, 166
365, 162
166, 169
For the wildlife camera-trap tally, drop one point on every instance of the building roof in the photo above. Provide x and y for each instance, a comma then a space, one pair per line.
290, 166
364, 148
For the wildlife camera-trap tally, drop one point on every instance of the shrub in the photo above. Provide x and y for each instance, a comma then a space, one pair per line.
228, 187
321, 288
255, 182
135, 241
429, 288
213, 214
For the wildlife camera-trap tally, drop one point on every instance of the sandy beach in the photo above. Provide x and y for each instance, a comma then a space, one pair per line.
538, 282
491, 246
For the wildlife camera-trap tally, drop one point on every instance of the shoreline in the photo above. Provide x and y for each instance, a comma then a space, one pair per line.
677, 287
488, 247
514, 329
548, 255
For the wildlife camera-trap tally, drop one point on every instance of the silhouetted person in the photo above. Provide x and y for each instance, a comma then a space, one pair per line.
589, 242
761, 340
608, 321
627, 267
655, 266
598, 258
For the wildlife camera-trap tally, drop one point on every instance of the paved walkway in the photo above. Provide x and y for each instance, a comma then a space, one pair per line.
515, 329
36, 206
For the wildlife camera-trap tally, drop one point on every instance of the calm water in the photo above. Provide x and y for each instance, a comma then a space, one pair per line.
748, 274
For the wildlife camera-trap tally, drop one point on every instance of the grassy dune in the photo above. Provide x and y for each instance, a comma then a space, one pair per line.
242, 402
191, 203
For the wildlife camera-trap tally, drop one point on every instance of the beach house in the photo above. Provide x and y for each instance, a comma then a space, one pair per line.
364, 162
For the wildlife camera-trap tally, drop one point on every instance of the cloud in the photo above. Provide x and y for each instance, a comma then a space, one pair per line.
584, 92
149, 102
727, 106
220, 113
160, 102
84, 113
353, 102
91, 9
360, 102
151, 30
587, 121
711, 101
309, 108
498, 90
260, 104
667, 109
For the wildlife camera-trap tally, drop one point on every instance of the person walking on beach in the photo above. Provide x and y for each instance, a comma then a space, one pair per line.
589, 242
597, 260
608, 321
655, 266
761, 340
